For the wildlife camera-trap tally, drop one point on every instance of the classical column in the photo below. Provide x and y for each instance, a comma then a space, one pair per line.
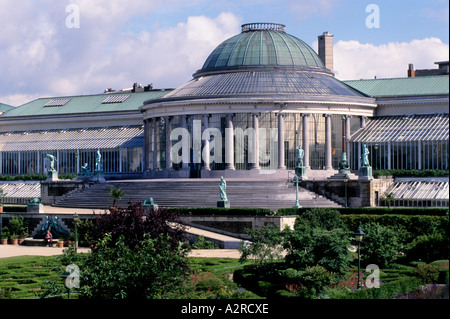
206, 151
167, 120
347, 136
155, 144
281, 141
306, 140
419, 154
389, 155
255, 164
229, 143
328, 155
146, 145
185, 157
362, 121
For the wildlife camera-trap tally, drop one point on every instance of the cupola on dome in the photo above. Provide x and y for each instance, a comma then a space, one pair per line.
262, 44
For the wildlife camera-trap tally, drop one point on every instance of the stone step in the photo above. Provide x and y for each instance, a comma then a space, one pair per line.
198, 193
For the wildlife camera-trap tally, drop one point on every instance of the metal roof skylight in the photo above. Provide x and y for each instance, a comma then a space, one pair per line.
57, 102
116, 99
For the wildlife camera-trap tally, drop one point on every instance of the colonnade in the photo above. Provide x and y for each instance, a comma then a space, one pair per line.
152, 147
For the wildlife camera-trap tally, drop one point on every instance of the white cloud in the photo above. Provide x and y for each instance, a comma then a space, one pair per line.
40, 56
355, 60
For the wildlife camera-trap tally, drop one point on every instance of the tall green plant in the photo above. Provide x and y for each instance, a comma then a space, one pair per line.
265, 245
116, 194
119, 272
381, 245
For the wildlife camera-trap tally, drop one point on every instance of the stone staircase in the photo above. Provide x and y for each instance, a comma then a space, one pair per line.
272, 194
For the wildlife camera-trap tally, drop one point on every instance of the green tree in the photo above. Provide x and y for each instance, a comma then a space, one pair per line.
381, 245
119, 272
310, 246
265, 245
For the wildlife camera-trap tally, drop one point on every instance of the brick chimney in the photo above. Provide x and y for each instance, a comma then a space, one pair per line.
326, 50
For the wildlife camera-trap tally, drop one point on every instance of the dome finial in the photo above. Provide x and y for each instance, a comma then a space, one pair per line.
263, 26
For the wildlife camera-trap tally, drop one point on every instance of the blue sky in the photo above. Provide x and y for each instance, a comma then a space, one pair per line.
164, 42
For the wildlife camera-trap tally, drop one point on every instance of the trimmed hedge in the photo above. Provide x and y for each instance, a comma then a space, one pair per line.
411, 173
15, 209
388, 290
201, 211
435, 211
33, 177
415, 224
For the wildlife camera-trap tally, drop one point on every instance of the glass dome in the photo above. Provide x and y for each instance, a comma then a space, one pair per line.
262, 44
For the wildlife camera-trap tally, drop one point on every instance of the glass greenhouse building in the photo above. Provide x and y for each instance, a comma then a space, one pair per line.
259, 96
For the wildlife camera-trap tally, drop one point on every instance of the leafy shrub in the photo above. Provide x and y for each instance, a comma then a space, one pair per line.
115, 271
308, 246
324, 218
381, 245
202, 243
428, 274
429, 247
314, 282
135, 221
265, 245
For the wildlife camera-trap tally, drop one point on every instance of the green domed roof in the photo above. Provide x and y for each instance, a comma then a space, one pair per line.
262, 44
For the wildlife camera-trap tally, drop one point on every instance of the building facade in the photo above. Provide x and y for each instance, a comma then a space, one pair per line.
259, 96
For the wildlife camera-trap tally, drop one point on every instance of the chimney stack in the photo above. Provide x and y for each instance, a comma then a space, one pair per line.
326, 50
411, 71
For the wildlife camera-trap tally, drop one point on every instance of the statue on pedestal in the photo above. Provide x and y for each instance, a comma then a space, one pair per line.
300, 155
365, 156
85, 171
365, 172
223, 194
52, 162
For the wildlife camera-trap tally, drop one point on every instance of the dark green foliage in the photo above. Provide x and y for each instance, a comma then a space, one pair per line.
429, 247
115, 271
411, 173
314, 282
200, 211
381, 245
33, 177
387, 290
318, 238
265, 245
432, 211
324, 218
428, 274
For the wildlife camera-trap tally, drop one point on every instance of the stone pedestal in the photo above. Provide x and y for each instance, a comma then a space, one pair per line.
35, 209
301, 173
365, 173
52, 176
99, 176
223, 204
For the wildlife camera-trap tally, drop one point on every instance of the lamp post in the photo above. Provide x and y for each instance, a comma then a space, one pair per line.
76, 218
297, 205
346, 178
359, 236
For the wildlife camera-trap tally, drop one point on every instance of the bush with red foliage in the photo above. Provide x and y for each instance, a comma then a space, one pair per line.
135, 221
